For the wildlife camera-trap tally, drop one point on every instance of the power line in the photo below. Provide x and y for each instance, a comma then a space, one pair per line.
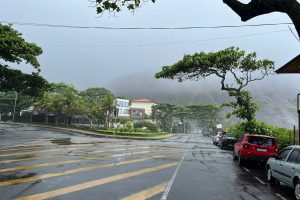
294, 34
164, 43
140, 28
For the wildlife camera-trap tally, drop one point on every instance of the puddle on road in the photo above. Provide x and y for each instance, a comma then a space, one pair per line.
62, 141
15, 176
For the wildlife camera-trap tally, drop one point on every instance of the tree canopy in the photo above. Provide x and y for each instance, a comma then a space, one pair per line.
14, 80
14, 49
231, 63
204, 116
246, 11
260, 7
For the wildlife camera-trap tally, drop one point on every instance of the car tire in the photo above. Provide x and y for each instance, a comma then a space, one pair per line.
297, 190
233, 156
270, 178
240, 160
221, 146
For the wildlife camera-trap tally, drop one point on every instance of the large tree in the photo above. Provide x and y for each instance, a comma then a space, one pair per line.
63, 100
14, 49
228, 64
260, 7
15, 80
245, 11
99, 103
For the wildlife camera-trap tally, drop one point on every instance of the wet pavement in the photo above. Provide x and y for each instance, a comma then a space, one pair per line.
38, 163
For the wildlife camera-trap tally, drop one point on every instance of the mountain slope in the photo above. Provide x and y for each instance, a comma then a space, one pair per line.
276, 95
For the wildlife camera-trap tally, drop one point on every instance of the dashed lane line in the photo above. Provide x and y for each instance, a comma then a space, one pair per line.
94, 183
54, 174
147, 193
259, 180
280, 196
246, 169
73, 161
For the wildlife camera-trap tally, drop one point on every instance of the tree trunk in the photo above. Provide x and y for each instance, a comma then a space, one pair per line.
46, 116
56, 119
260, 7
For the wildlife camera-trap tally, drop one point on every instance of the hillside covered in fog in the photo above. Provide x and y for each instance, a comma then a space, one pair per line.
276, 95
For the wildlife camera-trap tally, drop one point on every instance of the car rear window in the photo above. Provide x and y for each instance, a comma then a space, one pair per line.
261, 141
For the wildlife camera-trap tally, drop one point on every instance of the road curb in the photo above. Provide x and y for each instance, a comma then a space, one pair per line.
91, 133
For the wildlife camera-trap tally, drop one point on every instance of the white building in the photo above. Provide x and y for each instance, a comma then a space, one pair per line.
122, 108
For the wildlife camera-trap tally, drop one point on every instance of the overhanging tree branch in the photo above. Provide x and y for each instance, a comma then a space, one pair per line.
260, 7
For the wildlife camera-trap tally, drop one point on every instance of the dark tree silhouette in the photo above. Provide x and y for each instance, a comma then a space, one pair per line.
260, 7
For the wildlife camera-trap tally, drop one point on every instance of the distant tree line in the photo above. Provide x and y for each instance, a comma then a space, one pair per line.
178, 118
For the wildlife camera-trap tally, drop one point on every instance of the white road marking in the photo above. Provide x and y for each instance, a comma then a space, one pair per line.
259, 180
246, 169
281, 197
167, 190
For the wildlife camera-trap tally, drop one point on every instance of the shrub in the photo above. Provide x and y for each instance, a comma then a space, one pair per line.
120, 120
129, 125
150, 126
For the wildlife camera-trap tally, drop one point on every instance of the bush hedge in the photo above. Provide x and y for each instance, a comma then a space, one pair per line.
283, 136
150, 126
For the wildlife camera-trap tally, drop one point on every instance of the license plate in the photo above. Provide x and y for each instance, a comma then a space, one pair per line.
262, 150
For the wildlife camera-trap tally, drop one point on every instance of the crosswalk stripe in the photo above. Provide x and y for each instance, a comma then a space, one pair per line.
33, 152
82, 146
28, 147
82, 169
62, 155
14, 181
47, 156
26, 144
64, 162
51, 150
148, 193
94, 183
33, 158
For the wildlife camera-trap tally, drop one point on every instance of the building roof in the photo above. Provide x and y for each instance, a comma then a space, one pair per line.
143, 101
292, 66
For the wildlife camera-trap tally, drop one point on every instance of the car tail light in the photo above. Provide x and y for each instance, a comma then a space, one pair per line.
246, 146
276, 149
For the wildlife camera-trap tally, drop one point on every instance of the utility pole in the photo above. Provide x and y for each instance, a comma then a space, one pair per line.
16, 97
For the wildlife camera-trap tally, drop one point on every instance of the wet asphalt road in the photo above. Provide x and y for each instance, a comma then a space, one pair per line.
40, 163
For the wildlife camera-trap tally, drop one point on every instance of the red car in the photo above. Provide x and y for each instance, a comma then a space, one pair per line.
253, 147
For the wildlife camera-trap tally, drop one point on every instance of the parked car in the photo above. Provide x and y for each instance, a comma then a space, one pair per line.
217, 137
286, 168
255, 148
206, 134
226, 141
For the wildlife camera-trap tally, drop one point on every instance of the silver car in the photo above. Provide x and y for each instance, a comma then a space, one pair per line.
286, 168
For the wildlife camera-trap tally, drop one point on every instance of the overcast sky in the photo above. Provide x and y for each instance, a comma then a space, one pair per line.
90, 58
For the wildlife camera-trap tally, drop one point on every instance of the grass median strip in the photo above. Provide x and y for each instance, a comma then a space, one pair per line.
148, 193
94, 183
70, 161
77, 170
